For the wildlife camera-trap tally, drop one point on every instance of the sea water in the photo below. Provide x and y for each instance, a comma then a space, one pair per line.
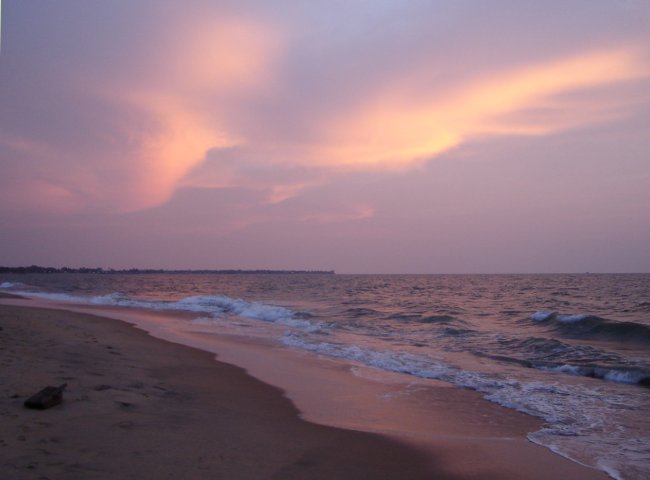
572, 350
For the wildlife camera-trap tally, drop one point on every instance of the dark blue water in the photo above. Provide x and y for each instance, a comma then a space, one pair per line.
573, 350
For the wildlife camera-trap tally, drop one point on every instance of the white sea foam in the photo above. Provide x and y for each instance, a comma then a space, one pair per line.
570, 369
572, 318
610, 374
7, 285
235, 306
115, 298
541, 315
214, 305
423, 366
576, 415
219, 305
623, 376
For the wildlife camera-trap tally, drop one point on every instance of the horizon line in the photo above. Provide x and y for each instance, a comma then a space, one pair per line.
107, 270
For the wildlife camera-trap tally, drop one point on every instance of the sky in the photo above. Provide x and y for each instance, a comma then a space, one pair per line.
364, 136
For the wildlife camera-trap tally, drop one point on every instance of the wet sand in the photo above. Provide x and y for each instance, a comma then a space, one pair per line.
140, 407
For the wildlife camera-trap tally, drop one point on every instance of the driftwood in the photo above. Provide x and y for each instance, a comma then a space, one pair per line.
46, 398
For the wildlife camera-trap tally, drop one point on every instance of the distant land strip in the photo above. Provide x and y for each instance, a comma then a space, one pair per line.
140, 271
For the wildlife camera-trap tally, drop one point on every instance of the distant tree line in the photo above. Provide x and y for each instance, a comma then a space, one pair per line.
136, 271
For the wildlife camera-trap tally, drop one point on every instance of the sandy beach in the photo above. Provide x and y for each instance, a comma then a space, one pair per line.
140, 407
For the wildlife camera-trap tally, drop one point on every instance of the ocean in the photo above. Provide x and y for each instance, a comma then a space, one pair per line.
572, 350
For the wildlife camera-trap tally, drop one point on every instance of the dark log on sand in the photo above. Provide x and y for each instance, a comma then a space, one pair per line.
46, 398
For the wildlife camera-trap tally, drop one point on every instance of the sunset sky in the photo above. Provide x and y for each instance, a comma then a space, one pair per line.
365, 136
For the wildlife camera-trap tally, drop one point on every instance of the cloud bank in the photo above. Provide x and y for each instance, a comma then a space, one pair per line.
208, 78
257, 118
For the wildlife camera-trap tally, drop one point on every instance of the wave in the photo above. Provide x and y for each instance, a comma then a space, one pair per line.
551, 349
8, 285
582, 360
501, 389
419, 365
627, 375
214, 305
571, 411
585, 325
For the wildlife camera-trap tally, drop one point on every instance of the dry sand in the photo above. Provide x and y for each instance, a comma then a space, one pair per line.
139, 407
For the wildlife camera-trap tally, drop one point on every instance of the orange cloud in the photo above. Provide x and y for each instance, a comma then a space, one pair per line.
164, 154
405, 125
207, 62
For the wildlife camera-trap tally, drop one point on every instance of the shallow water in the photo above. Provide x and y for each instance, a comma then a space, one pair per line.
573, 350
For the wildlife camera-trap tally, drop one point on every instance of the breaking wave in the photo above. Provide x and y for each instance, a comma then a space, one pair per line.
621, 374
592, 326
214, 305
553, 355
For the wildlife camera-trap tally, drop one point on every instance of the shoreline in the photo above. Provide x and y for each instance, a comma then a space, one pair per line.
138, 407
473, 438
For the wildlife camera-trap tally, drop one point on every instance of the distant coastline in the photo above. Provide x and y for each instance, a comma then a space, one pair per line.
145, 271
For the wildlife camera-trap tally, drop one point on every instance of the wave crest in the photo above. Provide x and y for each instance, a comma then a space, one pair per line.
592, 326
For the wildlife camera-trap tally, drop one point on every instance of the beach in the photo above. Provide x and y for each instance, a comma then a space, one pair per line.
139, 407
